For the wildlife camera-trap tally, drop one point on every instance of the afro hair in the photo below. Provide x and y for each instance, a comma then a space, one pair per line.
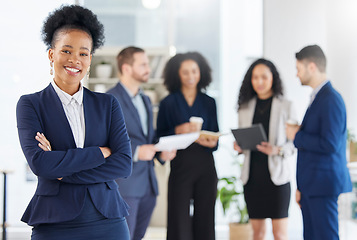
73, 17
172, 80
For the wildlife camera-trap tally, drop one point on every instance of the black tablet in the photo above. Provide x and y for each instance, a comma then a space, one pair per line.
249, 138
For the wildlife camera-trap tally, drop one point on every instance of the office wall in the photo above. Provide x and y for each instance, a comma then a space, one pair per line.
291, 25
341, 20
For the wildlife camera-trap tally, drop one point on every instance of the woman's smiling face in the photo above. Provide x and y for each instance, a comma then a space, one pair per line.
189, 73
71, 57
262, 81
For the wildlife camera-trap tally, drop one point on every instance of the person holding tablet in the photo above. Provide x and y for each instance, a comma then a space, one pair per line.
266, 171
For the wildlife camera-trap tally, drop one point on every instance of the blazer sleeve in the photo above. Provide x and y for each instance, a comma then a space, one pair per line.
331, 123
50, 164
119, 163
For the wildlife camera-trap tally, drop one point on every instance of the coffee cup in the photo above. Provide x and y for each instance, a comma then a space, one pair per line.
198, 121
292, 122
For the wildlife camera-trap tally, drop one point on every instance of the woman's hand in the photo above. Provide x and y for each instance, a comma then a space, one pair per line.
298, 197
44, 144
210, 142
105, 151
168, 155
187, 127
268, 149
237, 147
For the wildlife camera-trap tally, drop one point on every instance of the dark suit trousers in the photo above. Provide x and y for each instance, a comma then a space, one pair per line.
320, 217
140, 212
193, 178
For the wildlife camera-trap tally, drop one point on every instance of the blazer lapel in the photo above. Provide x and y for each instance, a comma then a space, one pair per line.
319, 94
89, 121
315, 102
246, 114
148, 107
59, 122
129, 105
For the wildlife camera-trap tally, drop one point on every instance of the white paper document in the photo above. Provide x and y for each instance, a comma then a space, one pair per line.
180, 141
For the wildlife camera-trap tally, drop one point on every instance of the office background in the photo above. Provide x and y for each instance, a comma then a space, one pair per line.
230, 33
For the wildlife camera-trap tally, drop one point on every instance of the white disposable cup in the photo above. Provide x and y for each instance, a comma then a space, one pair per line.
291, 122
198, 121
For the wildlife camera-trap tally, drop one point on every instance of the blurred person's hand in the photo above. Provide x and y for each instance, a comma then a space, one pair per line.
146, 152
187, 127
268, 149
291, 131
168, 155
298, 197
210, 142
237, 147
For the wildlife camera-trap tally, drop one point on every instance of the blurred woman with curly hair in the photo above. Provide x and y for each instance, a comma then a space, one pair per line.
193, 175
266, 170
74, 140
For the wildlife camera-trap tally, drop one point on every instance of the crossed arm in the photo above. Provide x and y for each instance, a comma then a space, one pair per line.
78, 166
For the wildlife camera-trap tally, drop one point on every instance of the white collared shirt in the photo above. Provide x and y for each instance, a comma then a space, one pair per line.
73, 108
139, 104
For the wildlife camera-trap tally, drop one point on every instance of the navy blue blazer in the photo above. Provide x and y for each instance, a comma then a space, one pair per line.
83, 169
321, 143
174, 111
143, 176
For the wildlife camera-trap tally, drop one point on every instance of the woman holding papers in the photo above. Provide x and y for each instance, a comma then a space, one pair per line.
193, 175
74, 140
266, 172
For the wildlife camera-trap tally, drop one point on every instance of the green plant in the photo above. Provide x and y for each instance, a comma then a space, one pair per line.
231, 195
350, 136
351, 141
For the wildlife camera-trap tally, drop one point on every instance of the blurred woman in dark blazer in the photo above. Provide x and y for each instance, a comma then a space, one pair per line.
266, 172
193, 175
74, 140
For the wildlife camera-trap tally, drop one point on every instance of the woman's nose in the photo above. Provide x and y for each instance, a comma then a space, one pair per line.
73, 59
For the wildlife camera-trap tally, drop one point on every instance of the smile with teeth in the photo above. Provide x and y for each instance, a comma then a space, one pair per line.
74, 70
